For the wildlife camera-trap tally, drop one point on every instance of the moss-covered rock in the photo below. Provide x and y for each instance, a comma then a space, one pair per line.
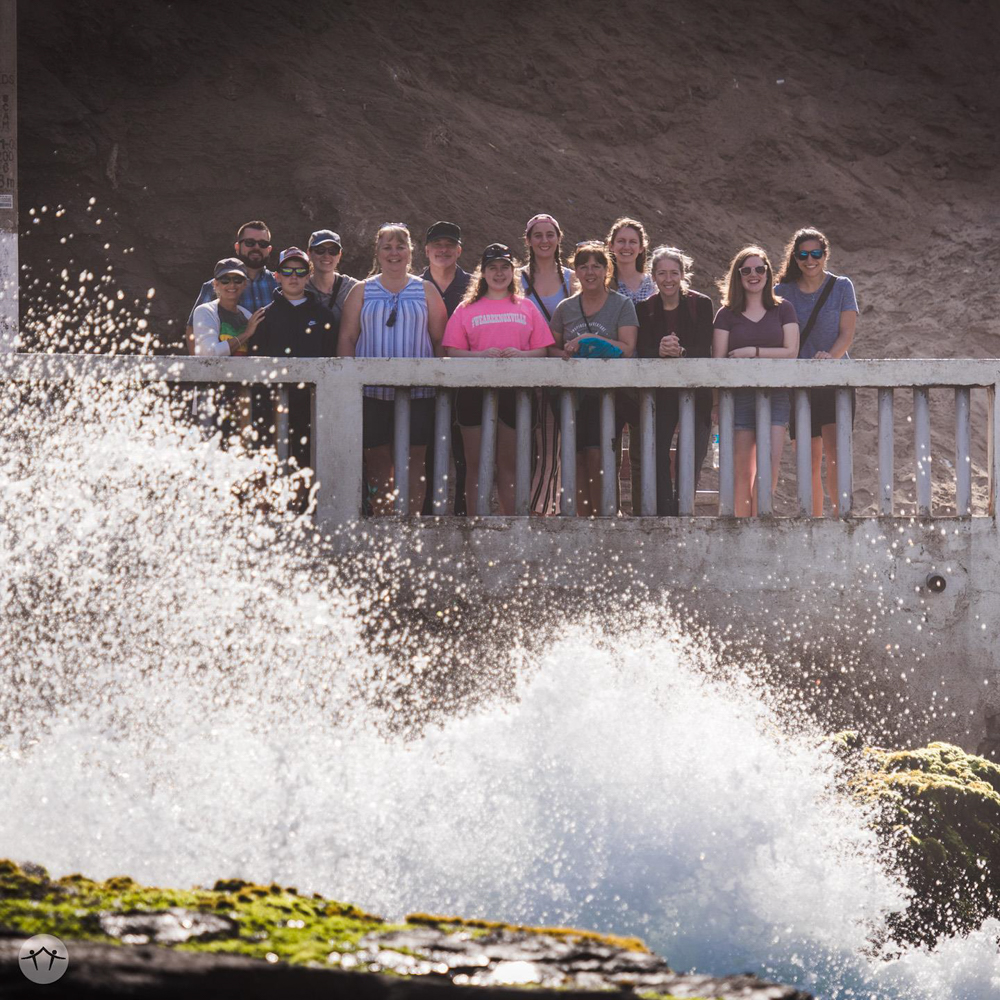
281, 925
940, 813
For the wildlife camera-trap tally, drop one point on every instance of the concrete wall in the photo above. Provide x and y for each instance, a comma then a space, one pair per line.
841, 609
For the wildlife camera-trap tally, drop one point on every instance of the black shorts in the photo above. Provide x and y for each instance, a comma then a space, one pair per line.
379, 421
588, 420
822, 410
469, 407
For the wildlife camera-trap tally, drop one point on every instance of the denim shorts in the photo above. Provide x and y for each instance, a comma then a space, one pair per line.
745, 407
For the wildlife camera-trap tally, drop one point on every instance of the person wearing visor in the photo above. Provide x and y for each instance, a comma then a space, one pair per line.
494, 320
252, 247
326, 283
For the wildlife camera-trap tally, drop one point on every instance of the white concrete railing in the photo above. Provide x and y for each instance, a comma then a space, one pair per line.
337, 416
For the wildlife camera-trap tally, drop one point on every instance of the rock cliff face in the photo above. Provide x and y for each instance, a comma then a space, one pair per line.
875, 121
243, 940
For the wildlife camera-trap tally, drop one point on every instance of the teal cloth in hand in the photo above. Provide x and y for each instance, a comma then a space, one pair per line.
598, 347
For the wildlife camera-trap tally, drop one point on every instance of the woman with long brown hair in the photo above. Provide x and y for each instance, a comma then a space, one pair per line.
754, 323
546, 281
827, 309
628, 245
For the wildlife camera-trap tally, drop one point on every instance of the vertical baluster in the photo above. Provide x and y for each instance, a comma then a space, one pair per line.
609, 472
487, 452
845, 453
963, 455
993, 444
647, 447
442, 450
522, 479
803, 451
885, 452
727, 481
401, 451
685, 454
763, 452
336, 456
279, 399
922, 442
567, 431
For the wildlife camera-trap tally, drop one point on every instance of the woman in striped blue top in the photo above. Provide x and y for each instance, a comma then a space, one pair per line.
393, 314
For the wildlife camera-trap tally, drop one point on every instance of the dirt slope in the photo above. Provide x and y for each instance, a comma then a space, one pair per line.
715, 124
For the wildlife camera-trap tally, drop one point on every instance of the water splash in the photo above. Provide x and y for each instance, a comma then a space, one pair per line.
195, 690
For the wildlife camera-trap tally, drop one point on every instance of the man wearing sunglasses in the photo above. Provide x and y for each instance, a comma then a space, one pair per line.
252, 247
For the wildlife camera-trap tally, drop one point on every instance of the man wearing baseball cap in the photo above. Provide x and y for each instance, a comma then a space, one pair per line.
442, 248
326, 283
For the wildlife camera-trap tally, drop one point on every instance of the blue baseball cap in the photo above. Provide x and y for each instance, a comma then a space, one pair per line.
325, 236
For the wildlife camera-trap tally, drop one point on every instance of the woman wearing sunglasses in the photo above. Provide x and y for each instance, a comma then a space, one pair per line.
754, 323
827, 310
494, 320
393, 313
329, 286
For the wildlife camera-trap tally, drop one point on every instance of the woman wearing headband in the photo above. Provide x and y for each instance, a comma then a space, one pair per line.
493, 321
393, 314
596, 322
546, 281
827, 309
754, 323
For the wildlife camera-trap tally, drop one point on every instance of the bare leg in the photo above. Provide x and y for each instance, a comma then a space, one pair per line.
472, 440
829, 439
378, 462
506, 466
744, 471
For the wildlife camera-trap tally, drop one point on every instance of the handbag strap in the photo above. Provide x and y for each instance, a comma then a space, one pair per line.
814, 315
538, 299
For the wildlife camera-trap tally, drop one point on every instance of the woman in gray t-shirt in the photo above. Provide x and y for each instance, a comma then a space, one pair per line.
801, 282
595, 322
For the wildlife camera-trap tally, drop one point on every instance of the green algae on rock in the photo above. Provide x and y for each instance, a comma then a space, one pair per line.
279, 924
940, 814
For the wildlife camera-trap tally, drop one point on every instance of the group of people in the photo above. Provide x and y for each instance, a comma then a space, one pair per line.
613, 298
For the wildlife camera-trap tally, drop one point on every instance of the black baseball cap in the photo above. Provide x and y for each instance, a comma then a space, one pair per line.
444, 231
497, 251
